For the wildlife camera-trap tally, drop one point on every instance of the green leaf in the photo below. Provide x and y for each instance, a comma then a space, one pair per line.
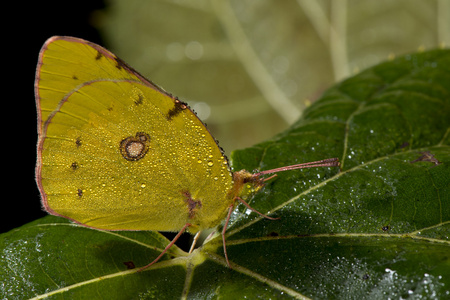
377, 228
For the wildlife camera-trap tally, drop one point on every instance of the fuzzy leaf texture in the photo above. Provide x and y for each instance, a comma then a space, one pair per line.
377, 228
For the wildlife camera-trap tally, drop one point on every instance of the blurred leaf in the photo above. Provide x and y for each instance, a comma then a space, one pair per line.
256, 65
378, 228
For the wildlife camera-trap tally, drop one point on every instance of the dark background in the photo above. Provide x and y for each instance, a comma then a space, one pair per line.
35, 22
25, 28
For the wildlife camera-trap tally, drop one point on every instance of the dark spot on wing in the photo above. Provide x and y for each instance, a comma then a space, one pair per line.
119, 63
192, 204
78, 142
178, 108
139, 100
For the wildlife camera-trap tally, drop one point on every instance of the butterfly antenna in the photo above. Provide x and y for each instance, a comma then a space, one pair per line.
329, 162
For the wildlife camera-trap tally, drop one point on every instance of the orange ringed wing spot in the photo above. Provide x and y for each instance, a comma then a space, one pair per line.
134, 148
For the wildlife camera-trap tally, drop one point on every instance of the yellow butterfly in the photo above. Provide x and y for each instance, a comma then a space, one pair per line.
116, 152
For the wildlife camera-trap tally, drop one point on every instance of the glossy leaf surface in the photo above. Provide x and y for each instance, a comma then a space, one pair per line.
379, 228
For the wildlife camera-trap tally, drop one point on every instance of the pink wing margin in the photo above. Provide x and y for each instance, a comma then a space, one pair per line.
42, 124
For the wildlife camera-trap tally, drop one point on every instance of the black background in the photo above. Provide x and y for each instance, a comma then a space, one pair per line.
25, 27
31, 24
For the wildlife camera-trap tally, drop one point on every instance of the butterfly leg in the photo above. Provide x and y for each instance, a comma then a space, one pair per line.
230, 210
254, 210
167, 247
197, 235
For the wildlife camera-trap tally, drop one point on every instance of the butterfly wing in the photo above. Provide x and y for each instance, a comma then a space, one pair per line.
116, 152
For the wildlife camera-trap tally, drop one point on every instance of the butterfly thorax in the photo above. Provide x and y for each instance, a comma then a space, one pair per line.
245, 184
